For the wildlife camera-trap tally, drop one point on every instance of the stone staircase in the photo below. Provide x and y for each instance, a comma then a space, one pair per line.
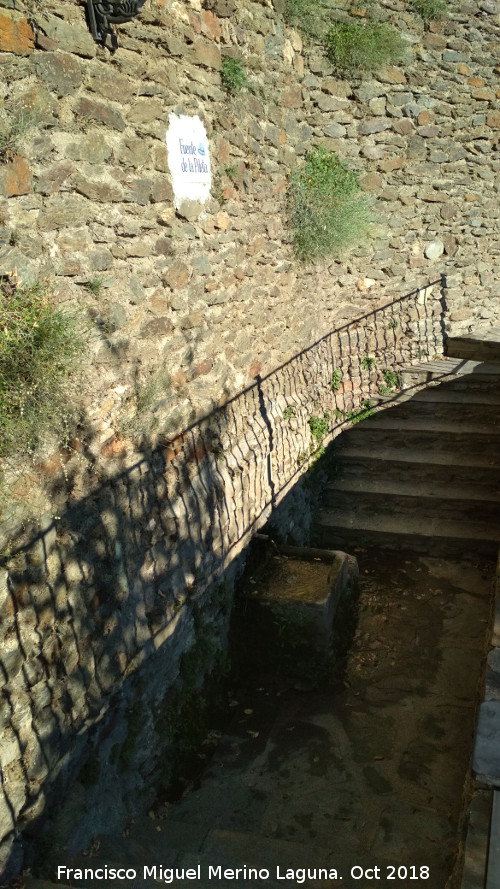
424, 472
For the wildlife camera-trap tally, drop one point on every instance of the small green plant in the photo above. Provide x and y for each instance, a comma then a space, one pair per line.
11, 134
141, 420
361, 413
430, 10
232, 74
368, 363
289, 412
229, 170
392, 381
95, 285
39, 346
327, 211
311, 17
393, 324
336, 380
357, 48
319, 427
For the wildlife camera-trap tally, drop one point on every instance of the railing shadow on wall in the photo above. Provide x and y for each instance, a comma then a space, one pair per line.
96, 594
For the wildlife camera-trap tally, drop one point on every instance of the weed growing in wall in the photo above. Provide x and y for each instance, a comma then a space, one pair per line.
327, 211
356, 48
12, 133
95, 285
368, 363
319, 427
392, 380
361, 413
430, 10
312, 18
38, 350
232, 74
336, 380
139, 418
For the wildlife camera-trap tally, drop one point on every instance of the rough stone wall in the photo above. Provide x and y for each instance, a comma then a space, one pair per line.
199, 306
100, 609
213, 300
203, 306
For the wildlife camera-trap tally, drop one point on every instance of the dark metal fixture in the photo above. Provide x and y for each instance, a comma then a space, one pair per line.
104, 13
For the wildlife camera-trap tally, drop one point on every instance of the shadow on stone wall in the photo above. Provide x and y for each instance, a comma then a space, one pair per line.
99, 606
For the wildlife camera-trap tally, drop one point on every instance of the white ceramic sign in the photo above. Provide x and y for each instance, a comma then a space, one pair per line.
188, 159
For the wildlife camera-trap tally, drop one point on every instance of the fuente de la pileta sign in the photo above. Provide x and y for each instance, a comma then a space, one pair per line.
188, 159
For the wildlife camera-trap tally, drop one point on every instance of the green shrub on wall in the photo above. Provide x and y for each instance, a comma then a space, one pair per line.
232, 74
356, 48
327, 211
38, 348
312, 18
429, 9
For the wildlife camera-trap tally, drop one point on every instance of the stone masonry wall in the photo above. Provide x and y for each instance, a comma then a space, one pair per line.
201, 305
101, 608
129, 538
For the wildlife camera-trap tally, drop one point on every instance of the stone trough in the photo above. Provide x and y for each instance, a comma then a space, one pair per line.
303, 587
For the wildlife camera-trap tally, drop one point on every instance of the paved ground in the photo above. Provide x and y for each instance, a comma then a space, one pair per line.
368, 772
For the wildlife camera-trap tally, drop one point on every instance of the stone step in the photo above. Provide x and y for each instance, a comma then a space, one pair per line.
372, 505
348, 528
452, 412
424, 444
441, 401
446, 393
431, 494
398, 467
410, 418
399, 453
484, 346
443, 367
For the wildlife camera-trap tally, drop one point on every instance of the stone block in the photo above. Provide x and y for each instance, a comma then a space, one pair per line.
493, 120
70, 37
16, 35
110, 83
60, 72
375, 125
53, 178
207, 54
391, 163
292, 97
145, 111
88, 109
139, 192
92, 148
391, 74
101, 190
210, 25
161, 190
15, 177
330, 103
157, 327
306, 585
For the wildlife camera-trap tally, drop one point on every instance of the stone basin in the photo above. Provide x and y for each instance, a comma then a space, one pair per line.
303, 585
